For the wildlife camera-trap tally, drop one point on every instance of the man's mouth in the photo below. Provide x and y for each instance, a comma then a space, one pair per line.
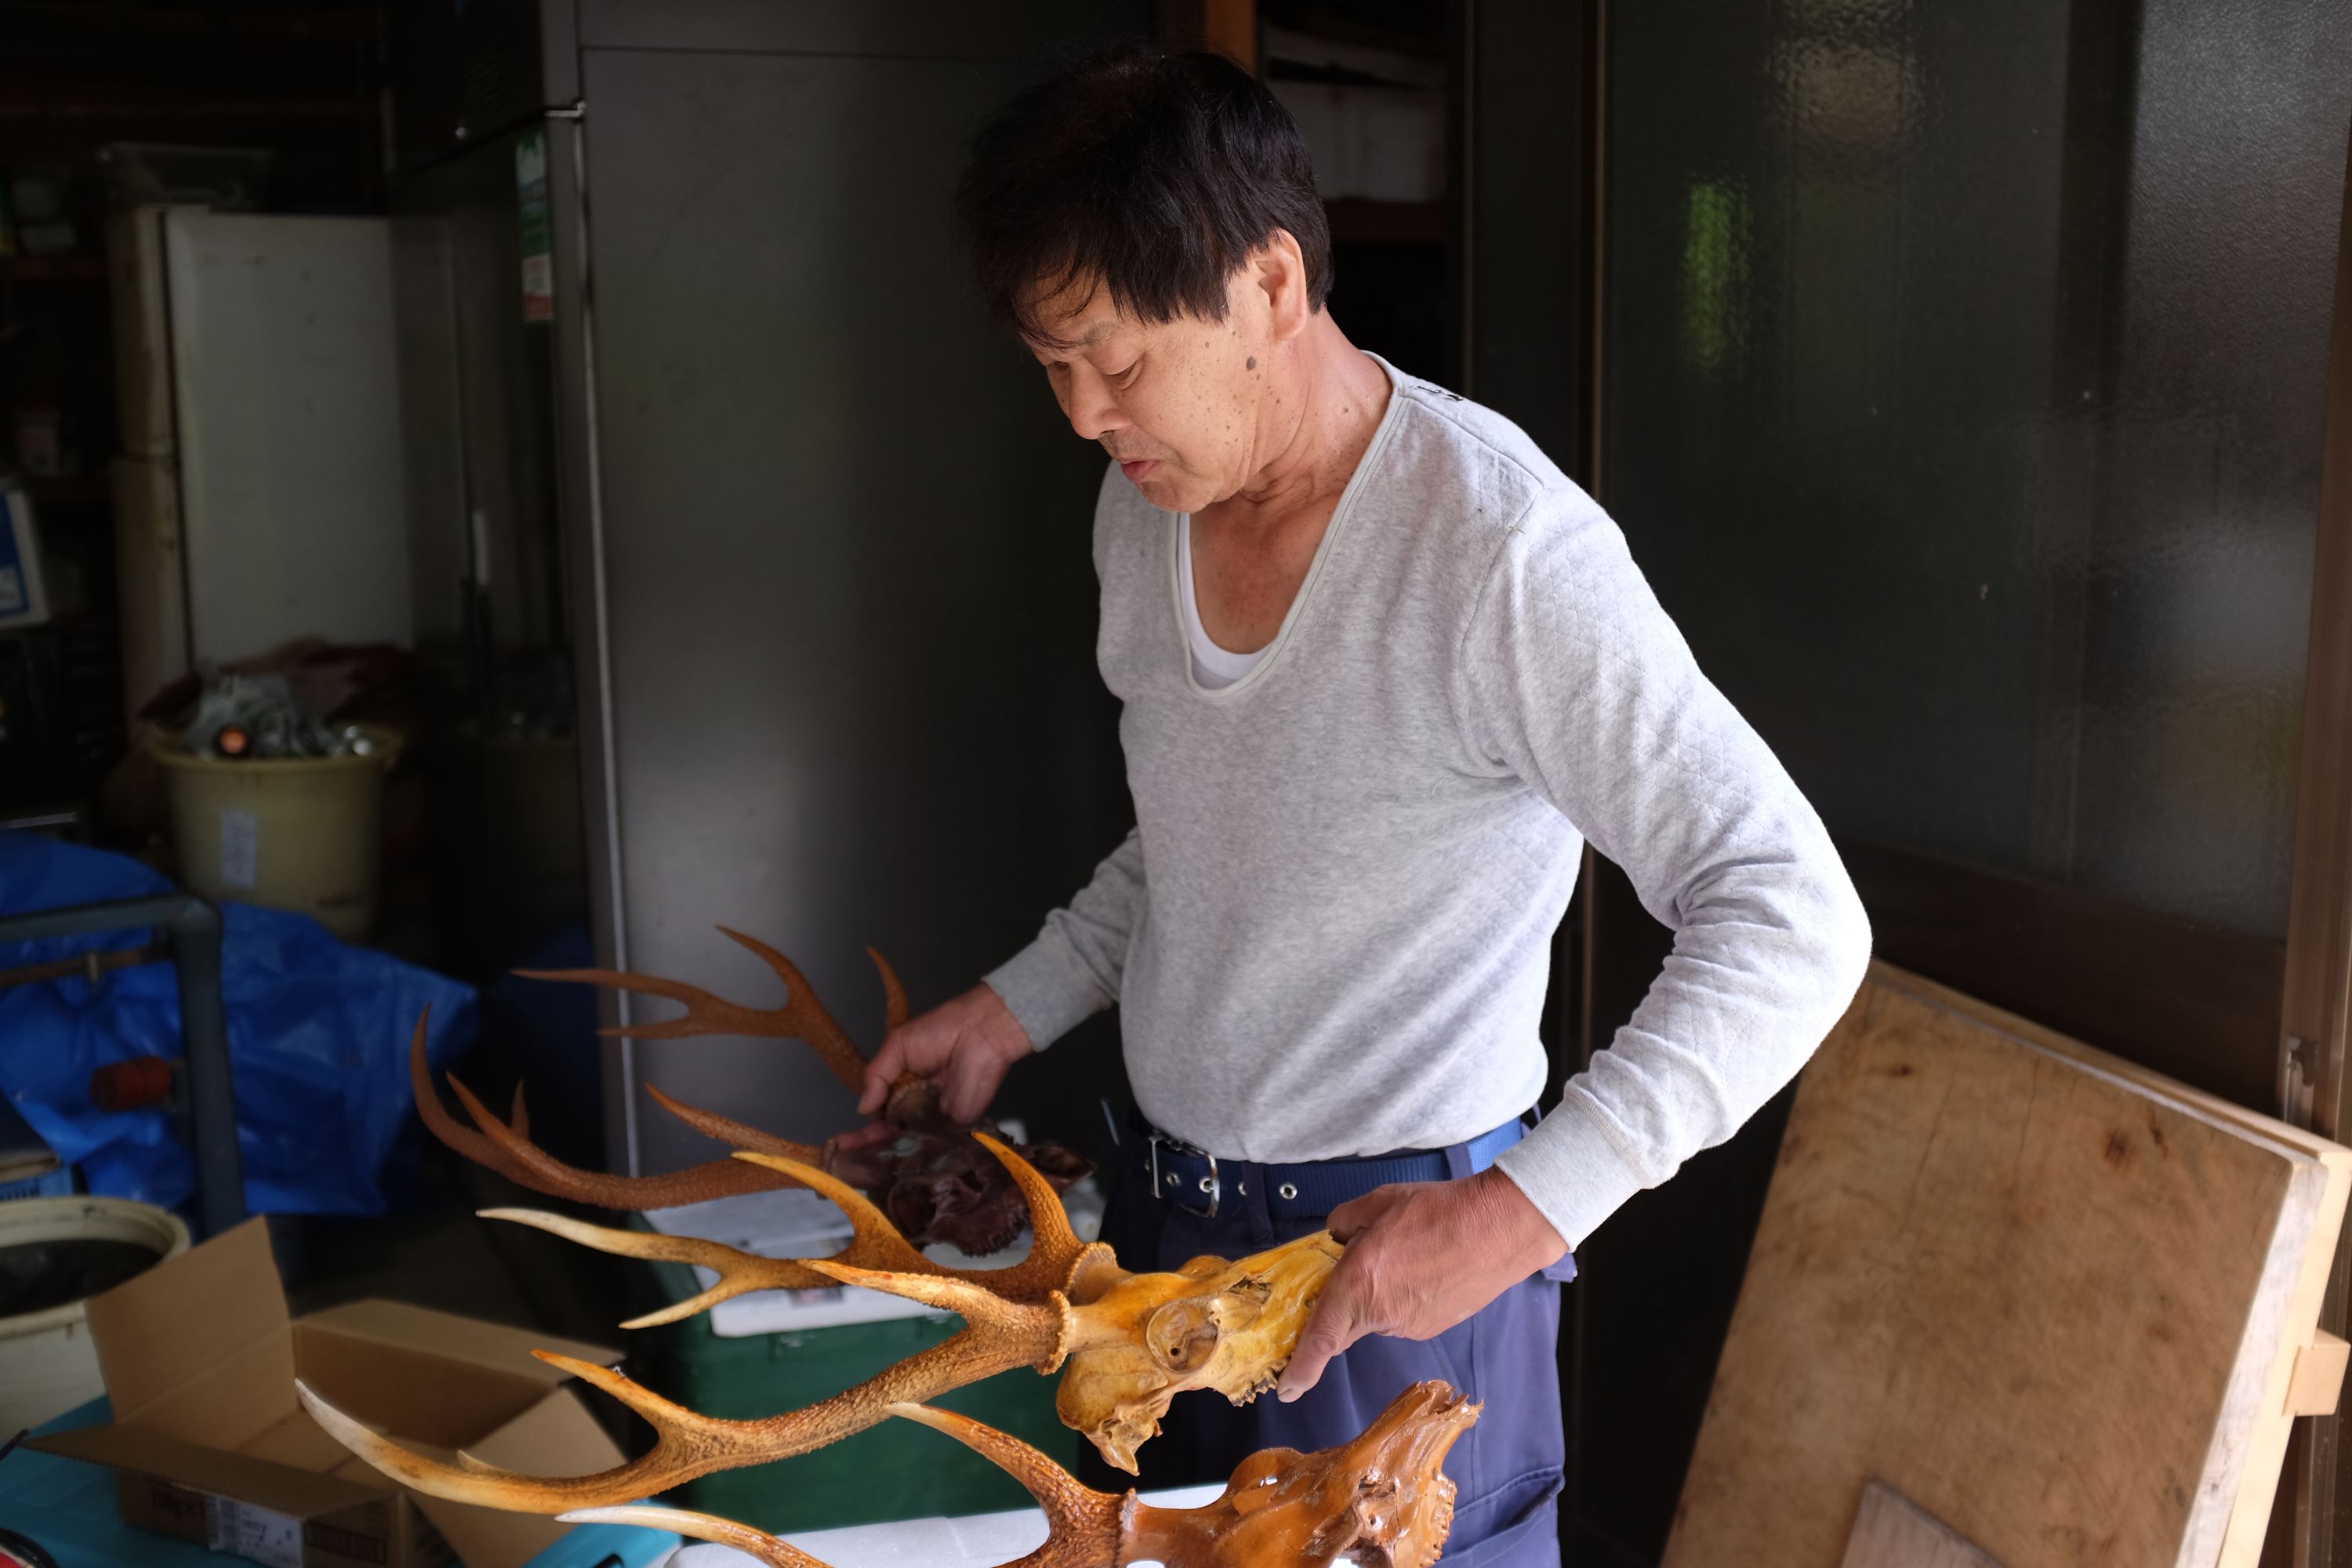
1136, 471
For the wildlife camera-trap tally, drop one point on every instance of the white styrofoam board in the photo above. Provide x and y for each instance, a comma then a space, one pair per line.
977, 1540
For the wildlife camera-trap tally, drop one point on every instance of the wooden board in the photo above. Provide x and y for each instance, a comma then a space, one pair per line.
2052, 1299
2267, 1449
1893, 1532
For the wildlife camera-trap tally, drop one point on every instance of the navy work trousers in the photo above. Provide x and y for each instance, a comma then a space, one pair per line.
1506, 1469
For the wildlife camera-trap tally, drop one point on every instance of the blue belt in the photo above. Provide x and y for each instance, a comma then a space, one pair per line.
1198, 1182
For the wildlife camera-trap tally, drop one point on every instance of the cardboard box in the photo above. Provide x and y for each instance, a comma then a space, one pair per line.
209, 1444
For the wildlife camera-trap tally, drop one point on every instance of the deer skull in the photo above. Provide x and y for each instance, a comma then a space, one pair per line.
1380, 1501
1146, 1337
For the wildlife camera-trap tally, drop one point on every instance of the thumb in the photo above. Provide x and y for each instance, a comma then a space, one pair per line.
882, 1072
1332, 1329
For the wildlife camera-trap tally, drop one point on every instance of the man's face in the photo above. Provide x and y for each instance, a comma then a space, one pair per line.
1178, 405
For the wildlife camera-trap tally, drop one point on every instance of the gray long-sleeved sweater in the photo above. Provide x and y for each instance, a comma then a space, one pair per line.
1328, 933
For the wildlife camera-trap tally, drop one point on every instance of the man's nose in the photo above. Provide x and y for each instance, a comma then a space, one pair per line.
1093, 412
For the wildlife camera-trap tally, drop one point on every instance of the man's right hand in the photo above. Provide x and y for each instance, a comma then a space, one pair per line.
965, 1045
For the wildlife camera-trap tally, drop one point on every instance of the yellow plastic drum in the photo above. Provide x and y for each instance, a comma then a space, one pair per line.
293, 833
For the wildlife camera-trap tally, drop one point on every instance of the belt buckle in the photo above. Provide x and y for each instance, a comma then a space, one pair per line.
1166, 1186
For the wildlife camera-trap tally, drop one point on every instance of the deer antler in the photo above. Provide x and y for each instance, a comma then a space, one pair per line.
1054, 1256
739, 1272
757, 1543
1136, 1342
727, 1130
802, 1017
1084, 1527
1382, 1497
504, 1149
934, 1187
997, 1336
1012, 1316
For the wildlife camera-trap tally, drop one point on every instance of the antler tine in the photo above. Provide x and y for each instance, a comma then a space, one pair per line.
1082, 1524
506, 1151
736, 1134
1055, 1254
997, 1336
740, 1273
1045, 1328
893, 995
873, 1241
702, 1527
803, 1017
437, 1117
705, 1013
490, 1487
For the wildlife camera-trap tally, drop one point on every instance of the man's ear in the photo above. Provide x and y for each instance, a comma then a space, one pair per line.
1278, 270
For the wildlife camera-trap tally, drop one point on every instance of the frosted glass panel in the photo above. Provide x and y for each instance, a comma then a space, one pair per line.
1965, 368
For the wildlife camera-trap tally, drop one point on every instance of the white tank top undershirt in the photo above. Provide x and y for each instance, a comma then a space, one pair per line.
1214, 668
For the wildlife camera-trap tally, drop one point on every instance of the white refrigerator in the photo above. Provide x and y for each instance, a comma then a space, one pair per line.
260, 489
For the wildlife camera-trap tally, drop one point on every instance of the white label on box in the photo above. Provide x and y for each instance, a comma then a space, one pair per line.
274, 1539
240, 848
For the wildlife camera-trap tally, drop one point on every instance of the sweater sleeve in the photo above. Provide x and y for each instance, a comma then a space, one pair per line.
1072, 971
1573, 678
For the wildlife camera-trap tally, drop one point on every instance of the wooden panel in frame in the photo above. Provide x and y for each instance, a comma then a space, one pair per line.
1952, 1291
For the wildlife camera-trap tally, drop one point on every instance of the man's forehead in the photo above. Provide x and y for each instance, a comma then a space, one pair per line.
1075, 319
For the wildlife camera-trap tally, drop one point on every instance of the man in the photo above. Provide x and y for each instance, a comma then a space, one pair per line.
1384, 670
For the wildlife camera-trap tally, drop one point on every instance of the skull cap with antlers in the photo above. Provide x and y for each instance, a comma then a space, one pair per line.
1125, 1345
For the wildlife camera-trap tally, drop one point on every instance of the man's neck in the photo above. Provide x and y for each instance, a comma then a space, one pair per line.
1328, 403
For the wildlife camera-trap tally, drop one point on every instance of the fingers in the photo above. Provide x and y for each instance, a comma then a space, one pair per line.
883, 1072
965, 1046
972, 1077
1355, 1216
865, 1137
1336, 1325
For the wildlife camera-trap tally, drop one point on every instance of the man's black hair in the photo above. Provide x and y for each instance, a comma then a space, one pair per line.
1156, 173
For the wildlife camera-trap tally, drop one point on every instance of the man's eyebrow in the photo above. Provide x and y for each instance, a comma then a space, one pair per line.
1060, 352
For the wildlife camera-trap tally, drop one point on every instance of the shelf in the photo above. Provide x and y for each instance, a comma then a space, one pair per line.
74, 267
1387, 223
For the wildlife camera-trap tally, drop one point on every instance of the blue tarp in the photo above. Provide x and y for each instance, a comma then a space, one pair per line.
318, 1044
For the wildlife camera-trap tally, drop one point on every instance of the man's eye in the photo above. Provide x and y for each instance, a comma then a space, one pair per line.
1124, 376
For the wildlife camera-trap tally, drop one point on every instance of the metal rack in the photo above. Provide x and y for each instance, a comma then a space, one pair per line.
188, 932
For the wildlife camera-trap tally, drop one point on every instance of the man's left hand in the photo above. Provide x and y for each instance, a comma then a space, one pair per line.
1421, 1258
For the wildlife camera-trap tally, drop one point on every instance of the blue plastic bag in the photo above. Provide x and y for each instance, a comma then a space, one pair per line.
317, 1034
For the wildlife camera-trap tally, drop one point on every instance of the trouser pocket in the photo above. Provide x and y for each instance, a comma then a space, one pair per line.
1516, 1526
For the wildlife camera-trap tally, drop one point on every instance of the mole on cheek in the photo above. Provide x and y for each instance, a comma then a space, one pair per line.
1252, 362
